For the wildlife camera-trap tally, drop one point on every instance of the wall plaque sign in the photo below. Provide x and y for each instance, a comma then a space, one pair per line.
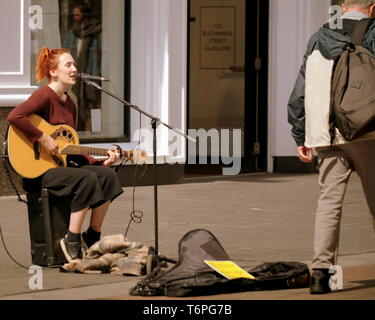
218, 37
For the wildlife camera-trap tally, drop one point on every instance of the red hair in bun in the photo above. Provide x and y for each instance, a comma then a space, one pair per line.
47, 61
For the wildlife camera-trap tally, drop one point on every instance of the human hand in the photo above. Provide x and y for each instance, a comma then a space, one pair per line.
305, 154
49, 144
113, 156
372, 11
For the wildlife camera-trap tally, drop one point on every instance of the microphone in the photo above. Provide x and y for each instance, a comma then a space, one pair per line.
86, 76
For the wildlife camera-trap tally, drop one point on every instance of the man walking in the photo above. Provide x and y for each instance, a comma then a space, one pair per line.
308, 113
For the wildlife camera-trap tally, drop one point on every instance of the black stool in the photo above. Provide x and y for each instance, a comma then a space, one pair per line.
49, 218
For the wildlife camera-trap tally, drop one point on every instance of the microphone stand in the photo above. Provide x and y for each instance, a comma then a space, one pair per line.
154, 124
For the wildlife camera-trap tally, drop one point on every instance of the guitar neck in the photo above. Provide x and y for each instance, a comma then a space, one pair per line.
83, 150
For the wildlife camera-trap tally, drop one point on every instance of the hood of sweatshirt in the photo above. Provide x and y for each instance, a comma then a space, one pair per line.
331, 42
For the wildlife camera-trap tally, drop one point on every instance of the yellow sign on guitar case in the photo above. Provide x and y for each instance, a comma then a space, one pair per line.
229, 269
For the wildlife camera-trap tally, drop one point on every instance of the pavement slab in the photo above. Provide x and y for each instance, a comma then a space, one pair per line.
256, 217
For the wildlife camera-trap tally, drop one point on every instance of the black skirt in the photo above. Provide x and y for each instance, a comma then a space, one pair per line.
89, 186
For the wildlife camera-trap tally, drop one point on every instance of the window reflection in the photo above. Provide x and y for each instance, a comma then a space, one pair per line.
81, 33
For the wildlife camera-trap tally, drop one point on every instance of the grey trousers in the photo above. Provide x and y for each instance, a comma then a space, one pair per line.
335, 167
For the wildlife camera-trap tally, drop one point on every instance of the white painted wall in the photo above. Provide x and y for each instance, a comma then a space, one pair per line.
113, 67
158, 69
14, 57
291, 24
25, 26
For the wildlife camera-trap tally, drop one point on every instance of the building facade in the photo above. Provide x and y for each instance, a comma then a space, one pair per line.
227, 65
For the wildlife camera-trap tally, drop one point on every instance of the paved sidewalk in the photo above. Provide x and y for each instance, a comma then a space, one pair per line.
257, 218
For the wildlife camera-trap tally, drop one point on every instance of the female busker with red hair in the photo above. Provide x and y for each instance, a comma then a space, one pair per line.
90, 182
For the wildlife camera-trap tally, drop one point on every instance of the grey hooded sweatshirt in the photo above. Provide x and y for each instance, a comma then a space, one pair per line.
308, 106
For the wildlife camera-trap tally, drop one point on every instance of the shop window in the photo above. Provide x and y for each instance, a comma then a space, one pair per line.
81, 33
94, 32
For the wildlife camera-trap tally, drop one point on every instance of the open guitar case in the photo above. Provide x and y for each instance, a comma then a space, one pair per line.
191, 276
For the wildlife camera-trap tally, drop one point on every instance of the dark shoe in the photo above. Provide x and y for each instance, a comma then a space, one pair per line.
71, 250
319, 281
86, 241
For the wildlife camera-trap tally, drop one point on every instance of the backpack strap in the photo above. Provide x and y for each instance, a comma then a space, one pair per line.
360, 31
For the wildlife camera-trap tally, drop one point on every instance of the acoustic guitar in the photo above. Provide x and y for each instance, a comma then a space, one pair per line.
31, 160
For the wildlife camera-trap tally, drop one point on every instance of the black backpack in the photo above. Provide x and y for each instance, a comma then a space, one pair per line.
353, 88
192, 277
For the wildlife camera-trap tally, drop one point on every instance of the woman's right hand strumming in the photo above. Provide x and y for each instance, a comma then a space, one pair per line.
49, 144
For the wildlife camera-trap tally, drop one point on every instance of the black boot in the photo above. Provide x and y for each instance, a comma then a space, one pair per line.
89, 237
319, 281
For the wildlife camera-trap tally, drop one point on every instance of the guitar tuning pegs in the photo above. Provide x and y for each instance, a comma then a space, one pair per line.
118, 148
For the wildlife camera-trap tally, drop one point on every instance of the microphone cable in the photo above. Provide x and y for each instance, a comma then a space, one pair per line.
136, 215
9, 175
9, 254
8, 172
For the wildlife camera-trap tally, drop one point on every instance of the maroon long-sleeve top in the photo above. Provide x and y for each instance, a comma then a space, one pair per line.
48, 105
